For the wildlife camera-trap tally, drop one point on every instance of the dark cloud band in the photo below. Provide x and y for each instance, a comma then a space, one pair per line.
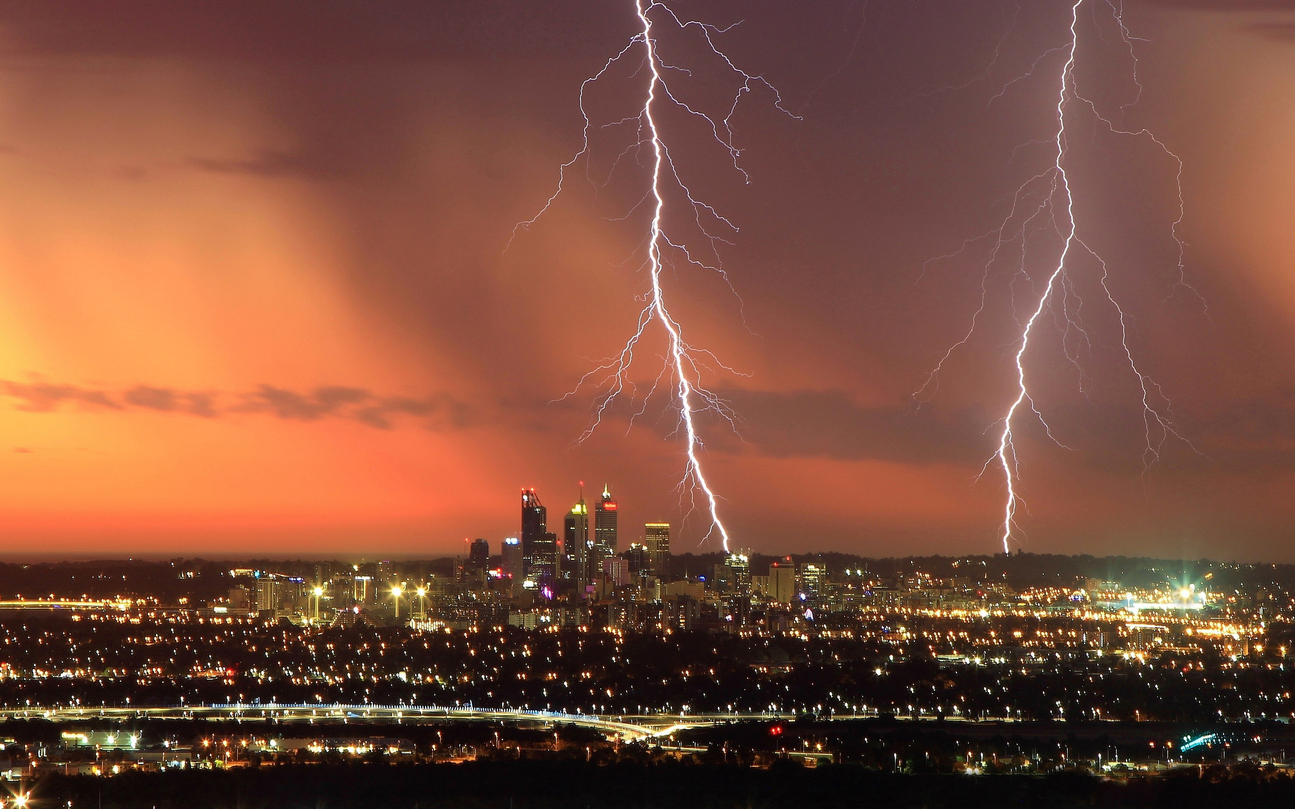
355, 404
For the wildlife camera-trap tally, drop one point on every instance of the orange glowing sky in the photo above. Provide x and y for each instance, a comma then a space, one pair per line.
255, 296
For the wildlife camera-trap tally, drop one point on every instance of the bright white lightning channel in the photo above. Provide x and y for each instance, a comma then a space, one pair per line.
684, 363
1030, 205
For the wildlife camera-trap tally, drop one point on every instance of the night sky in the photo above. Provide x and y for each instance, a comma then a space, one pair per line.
257, 293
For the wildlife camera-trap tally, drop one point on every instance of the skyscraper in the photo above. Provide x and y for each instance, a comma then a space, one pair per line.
657, 540
813, 577
575, 545
637, 557
267, 593
812, 580
605, 540
782, 581
534, 524
511, 561
544, 566
479, 556
738, 572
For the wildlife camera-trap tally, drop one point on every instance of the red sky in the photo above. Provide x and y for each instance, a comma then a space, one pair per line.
256, 293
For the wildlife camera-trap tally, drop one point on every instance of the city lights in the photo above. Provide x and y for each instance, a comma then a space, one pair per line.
643, 403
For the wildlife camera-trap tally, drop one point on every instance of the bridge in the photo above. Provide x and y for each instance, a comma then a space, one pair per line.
624, 727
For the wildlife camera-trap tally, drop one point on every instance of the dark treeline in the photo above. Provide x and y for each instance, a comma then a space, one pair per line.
198, 580
555, 785
165, 581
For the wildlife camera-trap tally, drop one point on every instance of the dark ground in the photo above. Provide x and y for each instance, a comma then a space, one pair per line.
550, 785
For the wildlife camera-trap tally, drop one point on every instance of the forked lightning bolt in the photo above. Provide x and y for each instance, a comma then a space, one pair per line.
1047, 197
683, 364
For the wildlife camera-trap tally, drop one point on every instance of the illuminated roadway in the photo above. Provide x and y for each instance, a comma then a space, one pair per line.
623, 726
65, 604
628, 727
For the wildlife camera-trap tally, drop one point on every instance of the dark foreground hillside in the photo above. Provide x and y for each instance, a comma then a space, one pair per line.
556, 785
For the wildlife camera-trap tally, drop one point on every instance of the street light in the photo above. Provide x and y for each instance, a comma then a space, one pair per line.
396, 591
422, 608
318, 592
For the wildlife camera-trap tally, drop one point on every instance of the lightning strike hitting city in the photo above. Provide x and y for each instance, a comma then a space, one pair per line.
940, 454
684, 364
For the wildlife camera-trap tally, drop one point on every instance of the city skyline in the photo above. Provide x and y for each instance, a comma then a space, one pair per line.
647, 403
260, 292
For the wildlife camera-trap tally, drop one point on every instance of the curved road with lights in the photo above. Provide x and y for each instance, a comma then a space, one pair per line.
621, 726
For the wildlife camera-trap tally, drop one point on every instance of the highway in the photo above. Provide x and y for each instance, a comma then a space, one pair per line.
626, 728
120, 605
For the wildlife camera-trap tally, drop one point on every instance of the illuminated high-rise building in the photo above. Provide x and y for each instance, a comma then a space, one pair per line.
738, 566
534, 524
539, 545
511, 558
782, 581
605, 540
637, 556
267, 594
813, 578
545, 566
656, 538
576, 546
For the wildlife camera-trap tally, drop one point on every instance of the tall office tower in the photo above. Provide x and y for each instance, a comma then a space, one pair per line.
511, 559
267, 594
534, 524
545, 565
479, 555
782, 581
813, 580
292, 595
639, 560
363, 591
605, 541
739, 567
575, 545
657, 540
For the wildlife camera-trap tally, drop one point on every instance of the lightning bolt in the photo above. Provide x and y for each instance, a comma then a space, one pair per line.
683, 365
1046, 199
